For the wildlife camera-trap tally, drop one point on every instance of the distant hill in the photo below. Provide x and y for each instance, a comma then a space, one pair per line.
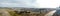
30, 9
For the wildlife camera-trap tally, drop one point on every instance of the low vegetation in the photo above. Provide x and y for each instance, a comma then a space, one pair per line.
12, 12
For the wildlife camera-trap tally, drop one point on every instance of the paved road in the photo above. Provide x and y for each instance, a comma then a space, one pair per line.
50, 13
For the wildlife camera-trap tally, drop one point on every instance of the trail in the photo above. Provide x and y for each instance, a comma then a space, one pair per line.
50, 13
4, 12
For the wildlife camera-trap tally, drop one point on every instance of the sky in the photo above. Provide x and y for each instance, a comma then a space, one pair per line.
30, 3
16, 3
48, 3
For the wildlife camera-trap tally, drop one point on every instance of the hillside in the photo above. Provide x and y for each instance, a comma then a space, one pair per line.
33, 11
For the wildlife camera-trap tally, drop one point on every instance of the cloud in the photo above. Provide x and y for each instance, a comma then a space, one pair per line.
16, 3
30, 3
48, 3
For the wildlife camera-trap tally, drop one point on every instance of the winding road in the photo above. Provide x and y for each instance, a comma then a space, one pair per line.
50, 13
